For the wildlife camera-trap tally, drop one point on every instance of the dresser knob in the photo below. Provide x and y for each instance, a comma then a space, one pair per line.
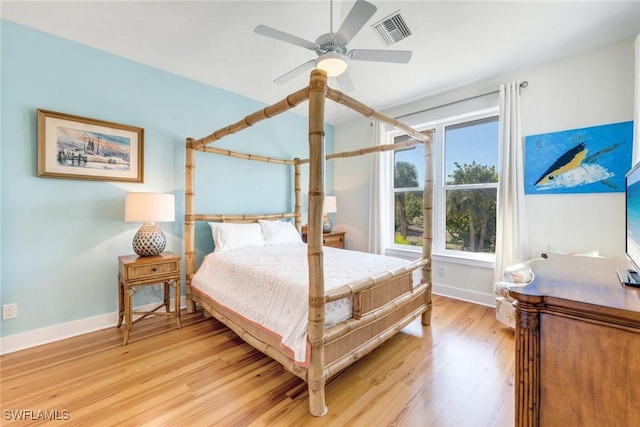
154, 269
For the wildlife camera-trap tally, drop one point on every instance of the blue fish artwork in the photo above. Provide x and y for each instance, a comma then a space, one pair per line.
588, 160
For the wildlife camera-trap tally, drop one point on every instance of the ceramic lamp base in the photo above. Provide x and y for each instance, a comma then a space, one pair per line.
149, 240
327, 225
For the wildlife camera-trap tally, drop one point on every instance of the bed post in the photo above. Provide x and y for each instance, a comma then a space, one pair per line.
427, 218
315, 334
297, 193
189, 223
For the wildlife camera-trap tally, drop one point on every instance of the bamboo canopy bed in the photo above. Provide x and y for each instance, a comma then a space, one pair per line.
382, 305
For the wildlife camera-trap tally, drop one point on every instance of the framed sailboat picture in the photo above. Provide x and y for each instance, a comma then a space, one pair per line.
81, 148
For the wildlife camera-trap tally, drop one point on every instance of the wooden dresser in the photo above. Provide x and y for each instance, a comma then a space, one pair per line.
577, 345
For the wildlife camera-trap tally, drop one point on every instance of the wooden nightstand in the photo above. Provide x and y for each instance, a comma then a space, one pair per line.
137, 272
335, 239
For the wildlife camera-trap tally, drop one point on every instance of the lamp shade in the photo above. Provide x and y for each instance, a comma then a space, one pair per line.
330, 204
334, 64
149, 207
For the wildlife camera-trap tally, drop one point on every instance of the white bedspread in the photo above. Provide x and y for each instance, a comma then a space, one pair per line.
269, 285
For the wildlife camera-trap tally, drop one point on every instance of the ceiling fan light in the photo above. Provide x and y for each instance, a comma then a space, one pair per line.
333, 63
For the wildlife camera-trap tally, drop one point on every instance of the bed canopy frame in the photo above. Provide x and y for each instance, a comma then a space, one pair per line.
382, 305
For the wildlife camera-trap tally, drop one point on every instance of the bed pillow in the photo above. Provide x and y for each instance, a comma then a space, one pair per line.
277, 232
228, 235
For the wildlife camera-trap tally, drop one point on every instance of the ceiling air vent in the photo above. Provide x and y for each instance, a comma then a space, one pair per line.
392, 29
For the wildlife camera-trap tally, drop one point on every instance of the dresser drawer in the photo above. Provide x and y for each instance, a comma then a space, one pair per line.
148, 270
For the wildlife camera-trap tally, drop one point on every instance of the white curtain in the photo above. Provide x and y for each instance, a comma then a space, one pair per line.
512, 243
380, 179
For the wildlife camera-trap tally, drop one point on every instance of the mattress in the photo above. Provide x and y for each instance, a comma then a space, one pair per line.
268, 285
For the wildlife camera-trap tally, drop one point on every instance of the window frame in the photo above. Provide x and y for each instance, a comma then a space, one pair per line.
439, 250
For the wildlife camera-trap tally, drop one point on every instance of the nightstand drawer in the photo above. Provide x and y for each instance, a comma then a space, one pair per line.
148, 270
333, 240
134, 268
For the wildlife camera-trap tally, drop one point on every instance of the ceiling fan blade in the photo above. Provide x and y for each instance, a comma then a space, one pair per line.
307, 66
285, 37
399, 56
359, 14
345, 82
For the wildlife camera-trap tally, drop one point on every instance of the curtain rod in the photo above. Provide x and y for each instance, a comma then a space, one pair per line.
523, 85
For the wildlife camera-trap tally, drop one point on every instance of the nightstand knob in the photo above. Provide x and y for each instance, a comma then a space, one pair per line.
154, 269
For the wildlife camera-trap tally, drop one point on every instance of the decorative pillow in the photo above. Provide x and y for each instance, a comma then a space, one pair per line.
518, 273
228, 236
521, 272
277, 232
553, 250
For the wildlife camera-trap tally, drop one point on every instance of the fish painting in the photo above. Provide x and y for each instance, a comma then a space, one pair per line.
587, 160
574, 168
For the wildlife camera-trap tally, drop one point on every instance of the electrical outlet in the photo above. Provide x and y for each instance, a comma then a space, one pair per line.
442, 270
9, 311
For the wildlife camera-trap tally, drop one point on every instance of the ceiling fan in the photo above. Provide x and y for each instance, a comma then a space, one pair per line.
331, 48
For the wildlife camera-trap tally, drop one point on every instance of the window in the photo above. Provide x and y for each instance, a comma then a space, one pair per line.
465, 187
408, 183
471, 185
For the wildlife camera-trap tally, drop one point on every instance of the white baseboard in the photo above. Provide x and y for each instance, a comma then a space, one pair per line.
16, 342
465, 295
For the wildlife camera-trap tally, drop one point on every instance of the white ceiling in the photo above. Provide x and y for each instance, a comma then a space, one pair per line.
454, 43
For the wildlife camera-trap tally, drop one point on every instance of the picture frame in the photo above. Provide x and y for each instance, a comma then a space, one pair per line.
587, 160
75, 147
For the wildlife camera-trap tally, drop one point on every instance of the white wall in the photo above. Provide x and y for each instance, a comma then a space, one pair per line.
588, 89
352, 184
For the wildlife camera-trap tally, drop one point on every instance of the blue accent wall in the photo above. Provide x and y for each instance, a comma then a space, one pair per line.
61, 237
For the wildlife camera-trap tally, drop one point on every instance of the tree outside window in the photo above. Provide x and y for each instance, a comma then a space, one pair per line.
471, 210
408, 182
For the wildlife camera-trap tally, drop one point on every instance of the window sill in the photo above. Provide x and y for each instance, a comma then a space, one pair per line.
475, 260
408, 254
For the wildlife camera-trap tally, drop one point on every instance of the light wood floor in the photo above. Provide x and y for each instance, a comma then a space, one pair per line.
457, 372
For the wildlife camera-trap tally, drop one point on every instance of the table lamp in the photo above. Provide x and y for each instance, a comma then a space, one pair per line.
330, 206
149, 208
